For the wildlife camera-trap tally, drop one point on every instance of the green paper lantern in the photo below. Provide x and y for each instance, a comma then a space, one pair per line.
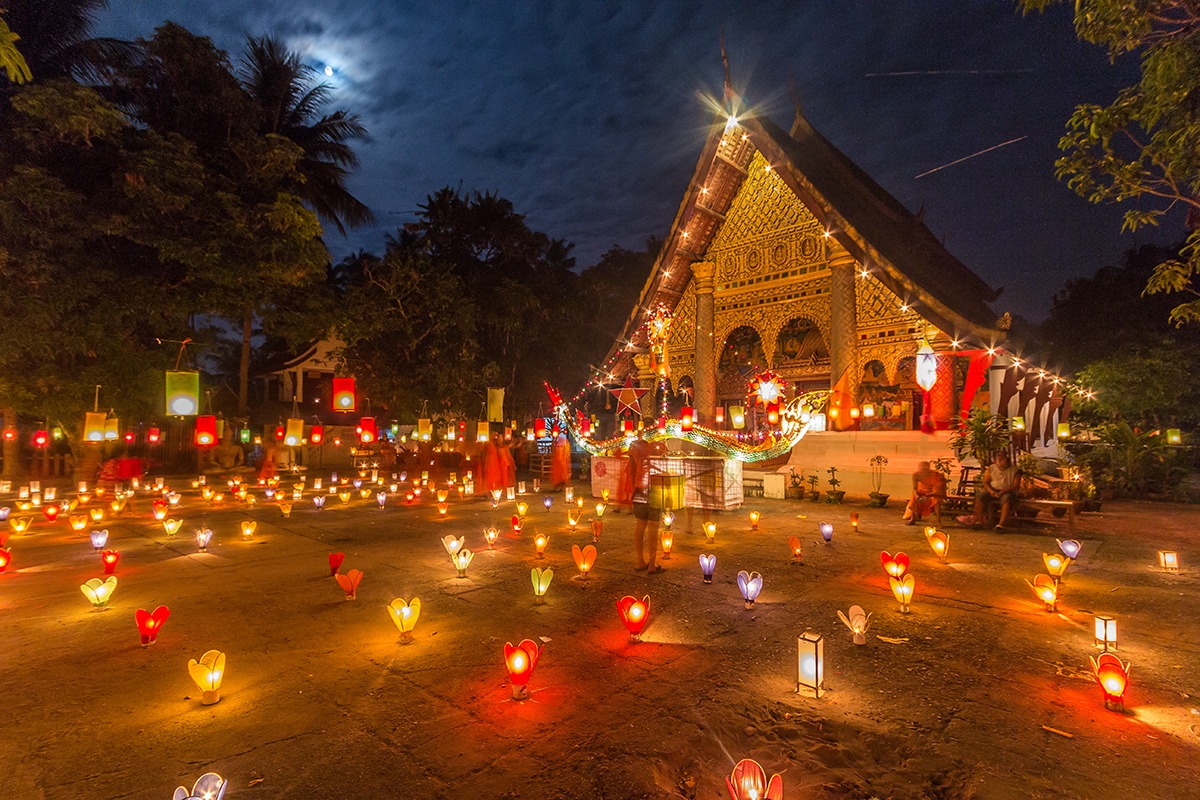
183, 394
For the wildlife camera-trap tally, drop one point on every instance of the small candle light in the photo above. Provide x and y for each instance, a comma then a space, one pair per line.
749, 584
797, 548
755, 516
404, 614
810, 662
541, 582
1113, 677
490, 535
520, 487
710, 532
349, 582
1106, 632
708, 563
99, 592
634, 613
149, 623
668, 541
1046, 590
539, 544
99, 539
1167, 559
902, 589
858, 622
207, 674
203, 537
520, 661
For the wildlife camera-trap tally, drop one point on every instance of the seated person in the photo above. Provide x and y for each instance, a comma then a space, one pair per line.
929, 490
1000, 481
226, 457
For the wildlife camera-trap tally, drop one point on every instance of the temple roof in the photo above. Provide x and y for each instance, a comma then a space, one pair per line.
871, 224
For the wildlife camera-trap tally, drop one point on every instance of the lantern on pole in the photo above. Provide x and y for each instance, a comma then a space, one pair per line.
206, 430
366, 430
687, 418
318, 434
294, 432
344, 397
93, 426
183, 393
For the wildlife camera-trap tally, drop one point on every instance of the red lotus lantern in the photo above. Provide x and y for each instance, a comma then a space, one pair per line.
153, 435
894, 565
206, 430
110, 559
634, 613
366, 430
52, 511
687, 418
5, 559
317, 435
520, 661
516, 523
1113, 677
335, 562
344, 398
41, 438
149, 623
749, 782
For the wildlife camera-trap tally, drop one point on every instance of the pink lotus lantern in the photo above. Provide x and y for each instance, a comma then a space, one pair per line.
635, 614
520, 661
749, 782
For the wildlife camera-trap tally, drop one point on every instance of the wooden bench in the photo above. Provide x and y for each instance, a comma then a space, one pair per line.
1067, 506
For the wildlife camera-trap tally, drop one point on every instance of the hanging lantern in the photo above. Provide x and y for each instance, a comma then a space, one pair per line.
344, 397
868, 410
719, 415
687, 418
112, 429
927, 365
585, 428
349, 583
737, 416
1174, 436
207, 674
405, 614
708, 564
206, 430
317, 435
1063, 430
858, 622
1106, 632
93, 426
520, 661
149, 623
244, 436
294, 432
634, 613
367, 432
749, 584
894, 565
1113, 677
99, 592
810, 662
749, 782
627, 427
585, 559
902, 590
42, 438
539, 428
541, 582
662, 424
183, 393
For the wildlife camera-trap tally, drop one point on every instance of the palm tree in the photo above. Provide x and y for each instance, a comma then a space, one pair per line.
56, 39
290, 104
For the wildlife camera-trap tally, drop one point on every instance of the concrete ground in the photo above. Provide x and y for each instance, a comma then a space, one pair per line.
953, 700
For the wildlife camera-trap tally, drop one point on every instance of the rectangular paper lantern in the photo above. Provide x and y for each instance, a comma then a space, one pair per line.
112, 429
810, 662
737, 416
366, 430
206, 430
687, 418
93, 426
424, 429
481, 431
295, 432
318, 434
666, 491
344, 398
183, 393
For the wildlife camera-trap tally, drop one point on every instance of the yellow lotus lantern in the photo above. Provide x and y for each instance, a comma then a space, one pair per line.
78, 521
285, 509
248, 528
600, 508
20, 524
97, 514
172, 526
1056, 564
755, 516
1046, 590
207, 674
405, 614
939, 542
442, 495
572, 519
541, 582
462, 560
344, 496
522, 508
539, 544
99, 592
902, 590
710, 532
585, 559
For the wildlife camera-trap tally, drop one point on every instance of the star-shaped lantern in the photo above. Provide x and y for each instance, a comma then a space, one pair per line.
627, 397
767, 388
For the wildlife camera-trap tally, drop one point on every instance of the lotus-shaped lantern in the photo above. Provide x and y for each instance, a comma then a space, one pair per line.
172, 526
248, 528
668, 517
5, 557
902, 589
516, 524
490, 535
21, 524
755, 516
585, 559
79, 521
1113, 677
939, 542
462, 560
826, 529
99, 539
708, 563
349, 582
573, 516
207, 674
541, 582
149, 623
99, 592
203, 537
1056, 564
858, 622
600, 509
668, 542
539, 544
710, 532
405, 614
494, 494
749, 584
209, 786
894, 565
749, 782
1046, 590
335, 562
319, 501
797, 548
520, 661
381, 498
1070, 548
635, 614
453, 544
110, 558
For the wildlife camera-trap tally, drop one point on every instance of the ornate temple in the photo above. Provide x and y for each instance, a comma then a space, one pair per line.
785, 255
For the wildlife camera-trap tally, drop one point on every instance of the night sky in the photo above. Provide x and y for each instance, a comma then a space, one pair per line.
590, 116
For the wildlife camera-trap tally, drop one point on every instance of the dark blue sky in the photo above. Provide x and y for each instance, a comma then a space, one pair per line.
589, 116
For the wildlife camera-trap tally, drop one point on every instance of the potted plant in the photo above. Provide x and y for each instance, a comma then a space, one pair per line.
878, 498
980, 436
1029, 467
942, 466
834, 495
795, 487
814, 493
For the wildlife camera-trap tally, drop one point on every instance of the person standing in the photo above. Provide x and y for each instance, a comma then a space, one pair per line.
645, 528
560, 462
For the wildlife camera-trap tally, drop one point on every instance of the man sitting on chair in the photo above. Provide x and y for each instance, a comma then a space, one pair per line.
1000, 482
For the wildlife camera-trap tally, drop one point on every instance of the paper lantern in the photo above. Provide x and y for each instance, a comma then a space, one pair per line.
539, 544
854, 521
248, 528
1168, 560
453, 544
939, 542
171, 526
344, 496
203, 538
737, 416
51, 512
319, 501
1069, 547
810, 662
349, 582
1113, 677
520, 661
207, 674
424, 430
149, 623
585, 559
344, 397
547, 501
1106, 632
99, 539
206, 430
826, 529
1063, 430
773, 413
539, 428
442, 494
20, 524
635, 614
97, 514
1174, 436
510, 494
710, 532
366, 430
572, 519
1056, 564
868, 410
404, 614
522, 508
494, 494
894, 565
183, 393
5, 558
748, 781
516, 523
209, 786
749, 584
42, 438
858, 622
99, 592
627, 427
708, 563
597, 529
93, 426
1018, 423
541, 581
902, 590
1046, 590
687, 418
293, 432
797, 548
585, 428
462, 560
110, 558
927, 365
755, 516
668, 542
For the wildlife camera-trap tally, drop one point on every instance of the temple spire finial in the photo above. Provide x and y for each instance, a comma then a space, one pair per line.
799, 121
730, 94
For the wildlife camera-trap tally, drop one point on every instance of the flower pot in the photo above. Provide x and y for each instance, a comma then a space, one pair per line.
814, 496
834, 496
879, 500
794, 493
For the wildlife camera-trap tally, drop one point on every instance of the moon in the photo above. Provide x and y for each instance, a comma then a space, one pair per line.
328, 71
